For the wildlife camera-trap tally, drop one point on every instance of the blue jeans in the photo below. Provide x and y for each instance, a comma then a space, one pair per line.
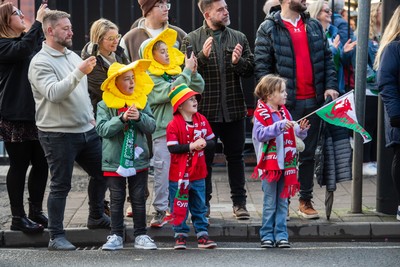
61, 151
197, 207
306, 159
274, 212
233, 138
137, 189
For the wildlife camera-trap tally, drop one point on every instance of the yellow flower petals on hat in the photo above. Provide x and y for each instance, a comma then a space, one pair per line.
113, 98
176, 57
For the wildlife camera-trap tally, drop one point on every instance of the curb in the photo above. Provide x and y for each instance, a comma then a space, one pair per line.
329, 232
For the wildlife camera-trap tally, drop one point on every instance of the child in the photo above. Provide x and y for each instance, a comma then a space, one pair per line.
274, 138
188, 134
123, 120
166, 73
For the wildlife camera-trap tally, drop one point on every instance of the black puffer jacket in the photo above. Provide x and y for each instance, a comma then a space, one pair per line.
274, 53
333, 156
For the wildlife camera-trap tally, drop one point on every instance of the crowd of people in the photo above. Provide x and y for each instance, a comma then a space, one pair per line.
160, 97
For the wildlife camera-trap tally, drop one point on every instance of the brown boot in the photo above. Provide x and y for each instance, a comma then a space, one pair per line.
306, 209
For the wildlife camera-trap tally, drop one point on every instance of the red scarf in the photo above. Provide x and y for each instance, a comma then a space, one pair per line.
195, 159
268, 163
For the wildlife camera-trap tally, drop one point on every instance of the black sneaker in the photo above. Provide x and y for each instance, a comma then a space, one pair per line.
283, 244
267, 244
103, 222
240, 212
180, 242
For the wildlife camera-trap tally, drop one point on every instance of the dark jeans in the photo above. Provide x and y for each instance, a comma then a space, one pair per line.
307, 160
137, 192
61, 151
232, 136
396, 171
21, 154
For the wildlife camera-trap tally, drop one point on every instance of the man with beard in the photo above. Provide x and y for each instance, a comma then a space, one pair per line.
64, 117
224, 57
293, 45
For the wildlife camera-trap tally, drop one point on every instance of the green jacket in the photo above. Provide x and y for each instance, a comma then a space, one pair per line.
111, 129
159, 101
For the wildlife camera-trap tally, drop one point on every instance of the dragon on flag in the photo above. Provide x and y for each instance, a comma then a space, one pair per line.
341, 112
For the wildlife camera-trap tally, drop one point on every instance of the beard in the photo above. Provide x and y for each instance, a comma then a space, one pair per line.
297, 7
64, 42
221, 23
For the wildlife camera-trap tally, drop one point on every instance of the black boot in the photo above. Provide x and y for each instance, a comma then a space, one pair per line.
22, 223
37, 215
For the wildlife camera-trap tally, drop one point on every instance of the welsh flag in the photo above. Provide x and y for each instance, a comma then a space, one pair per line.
341, 112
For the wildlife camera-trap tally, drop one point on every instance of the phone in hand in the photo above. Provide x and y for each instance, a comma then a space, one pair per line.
44, 1
95, 50
189, 50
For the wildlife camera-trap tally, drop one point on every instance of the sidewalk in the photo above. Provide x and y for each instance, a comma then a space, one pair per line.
368, 226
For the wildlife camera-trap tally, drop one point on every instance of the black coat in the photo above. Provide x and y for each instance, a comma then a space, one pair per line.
16, 98
274, 53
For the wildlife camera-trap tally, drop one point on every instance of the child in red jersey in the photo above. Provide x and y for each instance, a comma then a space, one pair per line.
188, 134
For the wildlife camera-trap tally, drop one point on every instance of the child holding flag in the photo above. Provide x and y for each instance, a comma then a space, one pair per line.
123, 120
274, 139
188, 134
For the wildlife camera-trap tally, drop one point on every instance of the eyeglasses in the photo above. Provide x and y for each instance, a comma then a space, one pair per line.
327, 10
113, 38
163, 7
17, 13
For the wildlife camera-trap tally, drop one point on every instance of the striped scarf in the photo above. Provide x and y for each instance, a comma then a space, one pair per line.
268, 164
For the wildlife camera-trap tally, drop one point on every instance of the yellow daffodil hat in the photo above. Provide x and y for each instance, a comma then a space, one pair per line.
113, 98
176, 57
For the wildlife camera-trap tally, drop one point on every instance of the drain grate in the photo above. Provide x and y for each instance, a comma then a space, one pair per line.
89, 248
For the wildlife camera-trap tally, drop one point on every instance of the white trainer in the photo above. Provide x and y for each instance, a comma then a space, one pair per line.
114, 242
369, 169
144, 242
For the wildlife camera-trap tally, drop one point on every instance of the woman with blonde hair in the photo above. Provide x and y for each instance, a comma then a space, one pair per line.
104, 34
17, 117
388, 64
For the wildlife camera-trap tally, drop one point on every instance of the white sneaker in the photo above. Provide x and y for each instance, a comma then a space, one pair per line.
369, 169
398, 214
114, 242
144, 242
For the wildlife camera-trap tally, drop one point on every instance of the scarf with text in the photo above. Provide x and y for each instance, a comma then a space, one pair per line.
129, 150
268, 164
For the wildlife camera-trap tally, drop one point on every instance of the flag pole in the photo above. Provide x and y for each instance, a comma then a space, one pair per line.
308, 115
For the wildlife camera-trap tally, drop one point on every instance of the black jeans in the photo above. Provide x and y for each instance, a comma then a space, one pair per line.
232, 136
307, 157
137, 192
396, 171
21, 154
62, 150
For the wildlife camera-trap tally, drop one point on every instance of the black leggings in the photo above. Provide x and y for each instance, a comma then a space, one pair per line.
21, 154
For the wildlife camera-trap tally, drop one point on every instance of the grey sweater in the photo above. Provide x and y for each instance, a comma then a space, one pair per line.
60, 91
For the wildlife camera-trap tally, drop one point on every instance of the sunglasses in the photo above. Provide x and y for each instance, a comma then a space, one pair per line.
17, 13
